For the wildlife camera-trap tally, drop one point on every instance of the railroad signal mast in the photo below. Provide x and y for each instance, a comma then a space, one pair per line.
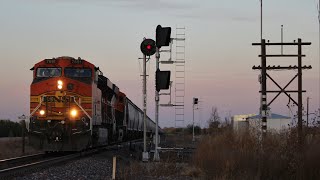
148, 48
163, 38
195, 102
163, 35
162, 78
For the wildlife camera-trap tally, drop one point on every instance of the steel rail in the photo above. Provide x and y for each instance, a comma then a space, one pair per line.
5, 163
22, 165
13, 171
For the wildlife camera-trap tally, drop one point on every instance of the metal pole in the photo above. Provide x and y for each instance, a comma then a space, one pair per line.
145, 155
193, 123
156, 153
300, 92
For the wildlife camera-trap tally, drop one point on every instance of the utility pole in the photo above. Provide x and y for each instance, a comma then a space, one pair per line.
264, 91
264, 88
300, 93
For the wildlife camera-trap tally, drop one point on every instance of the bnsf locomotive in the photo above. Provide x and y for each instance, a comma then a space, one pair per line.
73, 106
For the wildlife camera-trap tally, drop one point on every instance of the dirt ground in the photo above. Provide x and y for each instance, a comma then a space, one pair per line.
12, 147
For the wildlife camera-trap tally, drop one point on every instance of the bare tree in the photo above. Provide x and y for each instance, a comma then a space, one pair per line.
214, 120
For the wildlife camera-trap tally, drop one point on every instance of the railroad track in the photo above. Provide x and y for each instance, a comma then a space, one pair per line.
7, 163
19, 165
16, 166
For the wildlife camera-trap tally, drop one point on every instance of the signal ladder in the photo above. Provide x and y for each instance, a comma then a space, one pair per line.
180, 76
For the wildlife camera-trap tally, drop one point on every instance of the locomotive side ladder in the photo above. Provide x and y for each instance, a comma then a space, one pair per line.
180, 76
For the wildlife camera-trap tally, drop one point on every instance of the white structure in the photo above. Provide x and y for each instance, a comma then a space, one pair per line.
275, 122
240, 123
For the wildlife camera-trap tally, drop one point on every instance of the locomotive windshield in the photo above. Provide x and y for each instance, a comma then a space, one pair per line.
48, 72
77, 72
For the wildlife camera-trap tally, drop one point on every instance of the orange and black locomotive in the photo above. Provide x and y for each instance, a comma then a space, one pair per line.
73, 106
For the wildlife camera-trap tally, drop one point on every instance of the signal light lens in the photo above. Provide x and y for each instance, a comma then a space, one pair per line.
42, 112
148, 47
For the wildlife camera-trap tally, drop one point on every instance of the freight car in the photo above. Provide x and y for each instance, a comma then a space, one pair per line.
73, 106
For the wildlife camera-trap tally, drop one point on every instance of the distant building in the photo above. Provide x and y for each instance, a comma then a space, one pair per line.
275, 122
240, 123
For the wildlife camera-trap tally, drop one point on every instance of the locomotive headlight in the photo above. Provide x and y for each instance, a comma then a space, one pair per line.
42, 112
60, 83
74, 113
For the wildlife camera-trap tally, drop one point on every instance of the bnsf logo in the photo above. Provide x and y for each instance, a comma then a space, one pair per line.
58, 99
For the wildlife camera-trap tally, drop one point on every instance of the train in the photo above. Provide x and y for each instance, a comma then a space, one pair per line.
73, 107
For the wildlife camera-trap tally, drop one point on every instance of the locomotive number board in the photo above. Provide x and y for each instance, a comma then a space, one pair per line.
76, 61
50, 61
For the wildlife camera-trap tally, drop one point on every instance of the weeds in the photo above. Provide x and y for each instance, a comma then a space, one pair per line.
12, 147
229, 155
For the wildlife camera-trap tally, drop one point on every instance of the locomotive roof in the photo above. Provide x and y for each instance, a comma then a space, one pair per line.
65, 58
113, 86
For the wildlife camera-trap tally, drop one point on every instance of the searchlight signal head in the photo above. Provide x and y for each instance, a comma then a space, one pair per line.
148, 47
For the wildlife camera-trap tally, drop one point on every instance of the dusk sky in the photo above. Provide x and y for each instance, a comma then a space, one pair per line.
108, 33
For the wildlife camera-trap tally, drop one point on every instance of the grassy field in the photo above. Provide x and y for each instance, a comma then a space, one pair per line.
225, 154
12, 147
229, 155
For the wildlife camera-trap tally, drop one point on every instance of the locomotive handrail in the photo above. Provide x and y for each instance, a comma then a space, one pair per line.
36, 107
85, 112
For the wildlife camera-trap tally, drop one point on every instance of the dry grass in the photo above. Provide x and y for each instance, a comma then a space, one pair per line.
151, 170
172, 165
228, 155
12, 147
232, 156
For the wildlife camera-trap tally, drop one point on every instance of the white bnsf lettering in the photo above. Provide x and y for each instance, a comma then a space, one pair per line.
58, 99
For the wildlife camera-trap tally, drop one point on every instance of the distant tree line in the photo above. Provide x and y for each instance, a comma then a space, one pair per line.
10, 129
